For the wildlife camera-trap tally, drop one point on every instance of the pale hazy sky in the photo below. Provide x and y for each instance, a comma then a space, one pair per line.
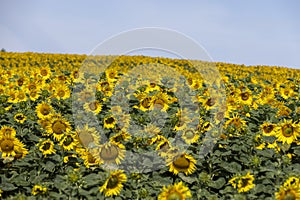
265, 32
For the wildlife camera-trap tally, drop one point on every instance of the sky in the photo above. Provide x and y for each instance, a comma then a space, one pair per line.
242, 32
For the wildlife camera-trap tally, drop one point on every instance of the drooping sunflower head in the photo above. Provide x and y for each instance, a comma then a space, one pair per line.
114, 183
146, 103
163, 147
181, 162
105, 87
87, 136
112, 152
161, 101
283, 111
209, 102
178, 191
20, 151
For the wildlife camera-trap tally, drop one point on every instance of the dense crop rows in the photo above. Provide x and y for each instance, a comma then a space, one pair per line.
135, 127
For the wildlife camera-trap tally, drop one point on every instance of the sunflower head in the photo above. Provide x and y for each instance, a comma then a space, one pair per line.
178, 191
287, 132
58, 126
181, 162
20, 118
290, 190
110, 122
38, 190
243, 183
268, 129
44, 110
46, 147
69, 142
114, 183
112, 152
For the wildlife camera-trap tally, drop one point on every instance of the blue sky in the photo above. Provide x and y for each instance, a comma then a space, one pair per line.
244, 32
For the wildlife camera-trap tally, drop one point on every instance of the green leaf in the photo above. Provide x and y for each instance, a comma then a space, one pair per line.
218, 184
5, 186
232, 167
187, 179
49, 166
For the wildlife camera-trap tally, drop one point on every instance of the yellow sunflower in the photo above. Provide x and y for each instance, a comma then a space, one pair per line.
163, 147
34, 95
289, 190
20, 151
20, 96
44, 110
145, 104
244, 97
111, 152
47, 147
20, 118
58, 126
246, 183
161, 101
181, 162
93, 106
121, 136
177, 191
283, 111
111, 74
237, 122
105, 87
243, 183
38, 190
45, 72
109, 122
89, 157
268, 129
114, 183
286, 92
68, 142
10, 146
287, 132
62, 92
7, 131
208, 102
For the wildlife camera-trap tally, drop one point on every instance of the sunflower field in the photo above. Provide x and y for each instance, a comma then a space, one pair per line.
137, 127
